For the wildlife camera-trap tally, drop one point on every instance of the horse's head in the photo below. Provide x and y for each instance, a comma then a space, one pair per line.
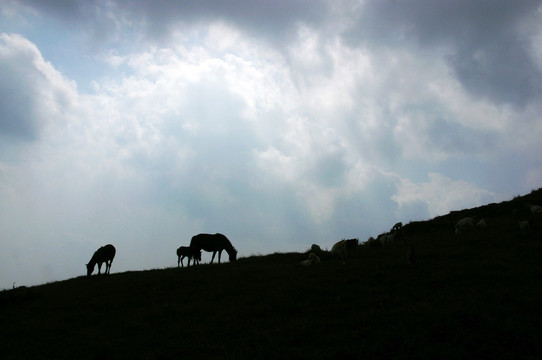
233, 255
90, 269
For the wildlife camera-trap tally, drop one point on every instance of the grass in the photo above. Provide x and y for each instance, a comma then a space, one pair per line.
474, 296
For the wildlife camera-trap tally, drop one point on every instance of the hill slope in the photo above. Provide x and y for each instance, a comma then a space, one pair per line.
475, 295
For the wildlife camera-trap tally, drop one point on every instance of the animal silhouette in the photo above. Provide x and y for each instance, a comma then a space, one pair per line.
104, 254
186, 251
213, 243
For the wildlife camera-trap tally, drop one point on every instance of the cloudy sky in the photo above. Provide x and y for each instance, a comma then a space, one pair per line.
278, 123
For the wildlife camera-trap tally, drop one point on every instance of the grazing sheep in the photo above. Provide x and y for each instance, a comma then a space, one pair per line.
351, 244
338, 251
387, 239
535, 209
313, 259
373, 243
315, 248
322, 254
382, 238
481, 224
524, 226
463, 224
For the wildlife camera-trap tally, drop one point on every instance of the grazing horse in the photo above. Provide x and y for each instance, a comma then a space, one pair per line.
215, 243
105, 254
186, 251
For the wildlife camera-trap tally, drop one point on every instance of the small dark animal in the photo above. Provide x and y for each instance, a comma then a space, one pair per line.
105, 254
397, 226
213, 243
186, 251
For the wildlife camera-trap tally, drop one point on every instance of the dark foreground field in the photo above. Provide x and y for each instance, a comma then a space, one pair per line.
477, 296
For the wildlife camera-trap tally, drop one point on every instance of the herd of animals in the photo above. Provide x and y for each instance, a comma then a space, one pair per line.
216, 243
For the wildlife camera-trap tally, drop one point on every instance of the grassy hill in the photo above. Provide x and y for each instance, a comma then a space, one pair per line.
477, 295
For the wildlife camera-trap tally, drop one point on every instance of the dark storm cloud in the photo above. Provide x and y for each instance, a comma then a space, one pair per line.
268, 18
484, 41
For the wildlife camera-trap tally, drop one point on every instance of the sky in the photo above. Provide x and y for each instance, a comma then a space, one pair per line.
277, 123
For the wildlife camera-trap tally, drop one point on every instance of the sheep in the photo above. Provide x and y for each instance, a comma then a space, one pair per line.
524, 226
313, 259
535, 209
351, 244
463, 224
315, 248
338, 251
382, 239
481, 224
322, 254
387, 239
373, 243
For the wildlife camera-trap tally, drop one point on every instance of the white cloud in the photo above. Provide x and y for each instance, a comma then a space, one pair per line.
441, 195
34, 94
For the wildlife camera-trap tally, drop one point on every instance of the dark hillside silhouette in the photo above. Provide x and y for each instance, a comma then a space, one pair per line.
474, 296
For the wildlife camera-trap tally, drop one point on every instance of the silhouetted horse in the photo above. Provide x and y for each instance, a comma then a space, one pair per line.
105, 254
186, 251
215, 243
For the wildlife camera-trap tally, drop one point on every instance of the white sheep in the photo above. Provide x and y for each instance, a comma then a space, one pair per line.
313, 259
463, 224
535, 209
481, 224
338, 251
524, 226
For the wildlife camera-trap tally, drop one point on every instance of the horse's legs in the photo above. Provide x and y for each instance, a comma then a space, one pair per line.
110, 263
99, 268
219, 255
214, 253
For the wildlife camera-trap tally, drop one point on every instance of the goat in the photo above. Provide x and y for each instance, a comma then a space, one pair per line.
338, 251
313, 259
